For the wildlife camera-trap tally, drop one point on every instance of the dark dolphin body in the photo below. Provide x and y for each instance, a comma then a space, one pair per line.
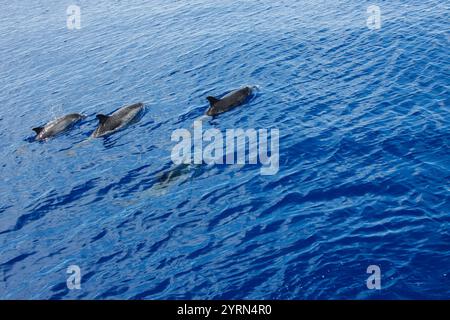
57, 126
117, 120
228, 102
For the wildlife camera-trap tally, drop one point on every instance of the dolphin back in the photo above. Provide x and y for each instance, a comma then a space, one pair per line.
117, 120
57, 126
229, 101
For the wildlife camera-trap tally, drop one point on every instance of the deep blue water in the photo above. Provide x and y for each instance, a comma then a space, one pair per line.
364, 150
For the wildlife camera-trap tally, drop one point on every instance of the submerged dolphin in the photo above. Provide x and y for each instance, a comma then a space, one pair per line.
228, 102
57, 126
117, 120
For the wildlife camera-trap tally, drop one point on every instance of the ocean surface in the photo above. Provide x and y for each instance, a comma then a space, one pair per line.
364, 123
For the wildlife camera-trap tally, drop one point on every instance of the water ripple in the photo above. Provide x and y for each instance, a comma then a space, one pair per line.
364, 151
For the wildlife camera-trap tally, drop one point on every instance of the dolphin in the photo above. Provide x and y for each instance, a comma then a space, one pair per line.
228, 102
57, 126
117, 120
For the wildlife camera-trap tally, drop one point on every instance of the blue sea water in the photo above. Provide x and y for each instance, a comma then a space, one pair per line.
364, 171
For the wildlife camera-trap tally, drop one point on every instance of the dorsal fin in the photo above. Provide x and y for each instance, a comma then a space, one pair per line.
102, 118
212, 100
38, 129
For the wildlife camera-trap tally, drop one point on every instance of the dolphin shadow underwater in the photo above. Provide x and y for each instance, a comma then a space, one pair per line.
166, 178
172, 175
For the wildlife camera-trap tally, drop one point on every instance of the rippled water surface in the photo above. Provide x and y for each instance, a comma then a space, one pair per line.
364, 150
